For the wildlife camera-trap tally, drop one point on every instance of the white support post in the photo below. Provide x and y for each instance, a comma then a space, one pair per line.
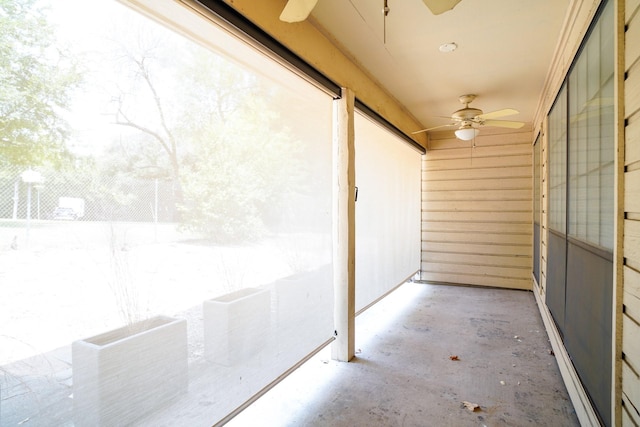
343, 349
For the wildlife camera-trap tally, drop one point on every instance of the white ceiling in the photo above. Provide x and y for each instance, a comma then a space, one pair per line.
504, 51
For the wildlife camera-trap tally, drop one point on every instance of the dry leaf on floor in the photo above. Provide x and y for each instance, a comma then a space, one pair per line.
454, 358
473, 407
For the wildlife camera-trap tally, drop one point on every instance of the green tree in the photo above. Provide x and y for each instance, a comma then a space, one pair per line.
36, 81
201, 120
242, 158
146, 100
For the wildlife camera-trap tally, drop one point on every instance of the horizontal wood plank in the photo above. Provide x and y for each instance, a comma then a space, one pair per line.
631, 10
522, 261
478, 162
631, 306
630, 414
631, 342
631, 281
631, 385
476, 248
480, 184
477, 269
632, 241
479, 280
632, 191
631, 294
477, 152
491, 227
476, 216
632, 141
632, 90
476, 195
479, 206
447, 139
632, 50
464, 174
464, 238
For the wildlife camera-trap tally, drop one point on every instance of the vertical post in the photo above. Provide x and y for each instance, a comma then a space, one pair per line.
15, 198
28, 212
155, 202
38, 190
30, 177
343, 349
155, 212
619, 213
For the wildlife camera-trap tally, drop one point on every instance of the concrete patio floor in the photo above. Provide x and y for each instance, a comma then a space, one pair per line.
420, 353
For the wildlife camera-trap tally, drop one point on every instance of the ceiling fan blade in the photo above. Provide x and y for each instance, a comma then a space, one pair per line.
498, 113
297, 10
503, 124
440, 6
436, 127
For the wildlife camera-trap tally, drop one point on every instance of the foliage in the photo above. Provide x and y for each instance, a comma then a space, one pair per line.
242, 160
208, 125
36, 80
209, 131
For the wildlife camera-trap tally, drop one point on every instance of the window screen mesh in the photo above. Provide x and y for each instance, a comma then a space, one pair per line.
557, 163
165, 218
591, 138
387, 211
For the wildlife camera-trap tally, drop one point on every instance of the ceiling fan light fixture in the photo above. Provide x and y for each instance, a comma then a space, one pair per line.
467, 133
448, 47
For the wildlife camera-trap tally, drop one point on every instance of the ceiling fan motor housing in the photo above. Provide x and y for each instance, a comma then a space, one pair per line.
466, 114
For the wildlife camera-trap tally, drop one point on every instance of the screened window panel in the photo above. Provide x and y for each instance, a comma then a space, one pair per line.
607, 161
591, 141
557, 162
578, 137
177, 258
387, 211
579, 268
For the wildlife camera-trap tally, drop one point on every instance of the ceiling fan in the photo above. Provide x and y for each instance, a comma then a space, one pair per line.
469, 119
299, 10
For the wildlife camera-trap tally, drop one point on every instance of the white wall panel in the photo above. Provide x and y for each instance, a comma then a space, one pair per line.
387, 211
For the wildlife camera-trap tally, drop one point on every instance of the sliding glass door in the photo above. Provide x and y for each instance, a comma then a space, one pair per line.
580, 279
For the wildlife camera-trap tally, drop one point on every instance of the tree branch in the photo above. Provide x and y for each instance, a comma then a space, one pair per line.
127, 122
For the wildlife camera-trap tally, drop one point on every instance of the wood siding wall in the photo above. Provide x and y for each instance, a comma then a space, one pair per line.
477, 210
631, 269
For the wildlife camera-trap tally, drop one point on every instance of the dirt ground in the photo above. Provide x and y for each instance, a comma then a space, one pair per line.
78, 279
63, 281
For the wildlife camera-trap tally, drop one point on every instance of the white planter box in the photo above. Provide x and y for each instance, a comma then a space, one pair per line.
121, 375
236, 325
299, 305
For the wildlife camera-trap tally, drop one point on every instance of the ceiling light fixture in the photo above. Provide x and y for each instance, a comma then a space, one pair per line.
448, 47
467, 133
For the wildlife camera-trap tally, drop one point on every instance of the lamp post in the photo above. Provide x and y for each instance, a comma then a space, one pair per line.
30, 177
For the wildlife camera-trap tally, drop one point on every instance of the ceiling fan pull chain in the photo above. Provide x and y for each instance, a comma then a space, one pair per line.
385, 13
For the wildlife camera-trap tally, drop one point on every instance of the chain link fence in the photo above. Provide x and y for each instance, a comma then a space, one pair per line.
46, 194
